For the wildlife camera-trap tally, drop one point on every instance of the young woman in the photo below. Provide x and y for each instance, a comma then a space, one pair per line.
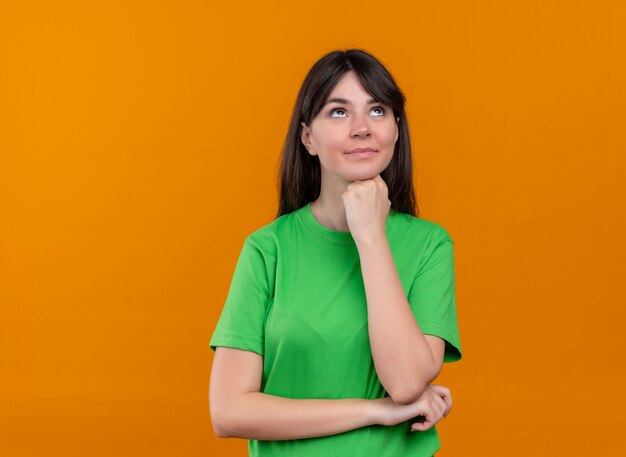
341, 311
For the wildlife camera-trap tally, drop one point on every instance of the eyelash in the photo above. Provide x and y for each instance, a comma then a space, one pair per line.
373, 107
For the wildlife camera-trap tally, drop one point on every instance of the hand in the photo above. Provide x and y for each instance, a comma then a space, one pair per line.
445, 395
367, 206
433, 404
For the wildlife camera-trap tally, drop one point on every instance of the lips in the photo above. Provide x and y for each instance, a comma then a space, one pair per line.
362, 150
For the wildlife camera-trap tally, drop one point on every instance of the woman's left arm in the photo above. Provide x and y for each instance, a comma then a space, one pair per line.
403, 357
406, 360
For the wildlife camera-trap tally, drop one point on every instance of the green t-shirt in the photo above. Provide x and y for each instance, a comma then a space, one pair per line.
297, 298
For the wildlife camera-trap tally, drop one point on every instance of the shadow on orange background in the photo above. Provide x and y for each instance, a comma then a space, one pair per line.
139, 145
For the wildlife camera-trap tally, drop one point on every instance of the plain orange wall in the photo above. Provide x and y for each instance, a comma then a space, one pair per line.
139, 146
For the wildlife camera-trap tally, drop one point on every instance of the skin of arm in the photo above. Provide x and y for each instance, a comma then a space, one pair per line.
239, 410
269, 417
406, 360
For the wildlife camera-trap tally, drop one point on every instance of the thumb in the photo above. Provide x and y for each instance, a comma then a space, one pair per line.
421, 426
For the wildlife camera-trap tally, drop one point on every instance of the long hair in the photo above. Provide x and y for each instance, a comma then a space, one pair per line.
300, 173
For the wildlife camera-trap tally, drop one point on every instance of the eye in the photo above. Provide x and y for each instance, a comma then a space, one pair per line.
335, 110
380, 108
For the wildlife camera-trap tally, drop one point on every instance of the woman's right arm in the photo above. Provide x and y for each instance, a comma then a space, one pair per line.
239, 410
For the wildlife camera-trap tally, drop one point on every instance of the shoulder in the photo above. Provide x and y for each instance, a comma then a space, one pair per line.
268, 237
418, 242
418, 229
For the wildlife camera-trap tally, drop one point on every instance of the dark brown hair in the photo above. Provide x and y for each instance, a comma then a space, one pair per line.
300, 173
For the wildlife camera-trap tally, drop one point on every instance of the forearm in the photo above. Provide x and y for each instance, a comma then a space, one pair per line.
260, 416
403, 359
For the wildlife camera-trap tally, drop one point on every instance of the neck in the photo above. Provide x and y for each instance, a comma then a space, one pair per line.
329, 210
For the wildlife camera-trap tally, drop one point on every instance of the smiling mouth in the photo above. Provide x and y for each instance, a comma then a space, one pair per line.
362, 153
358, 150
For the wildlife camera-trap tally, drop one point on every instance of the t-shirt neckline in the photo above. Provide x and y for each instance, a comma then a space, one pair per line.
316, 227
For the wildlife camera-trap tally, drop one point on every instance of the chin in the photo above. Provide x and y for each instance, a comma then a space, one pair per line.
363, 176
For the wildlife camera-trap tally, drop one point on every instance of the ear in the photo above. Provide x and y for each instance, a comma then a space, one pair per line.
397, 130
305, 137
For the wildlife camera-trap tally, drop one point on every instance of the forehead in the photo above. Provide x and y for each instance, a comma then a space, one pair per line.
349, 89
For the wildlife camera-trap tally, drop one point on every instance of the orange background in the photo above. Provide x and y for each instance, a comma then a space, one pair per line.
139, 146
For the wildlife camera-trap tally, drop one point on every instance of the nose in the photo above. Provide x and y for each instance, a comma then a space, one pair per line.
359, 127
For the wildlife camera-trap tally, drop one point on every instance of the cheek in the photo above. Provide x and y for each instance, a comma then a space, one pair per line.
331, 143
387, 138
390, 136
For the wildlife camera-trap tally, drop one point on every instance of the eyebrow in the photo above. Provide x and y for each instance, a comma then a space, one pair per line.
347, 102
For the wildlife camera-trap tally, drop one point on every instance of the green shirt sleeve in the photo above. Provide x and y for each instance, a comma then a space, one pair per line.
432, 295
241, 324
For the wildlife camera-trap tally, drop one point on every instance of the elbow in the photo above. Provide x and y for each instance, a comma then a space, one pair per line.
435, 372
220, 421
408, 396
220, 430
411, 393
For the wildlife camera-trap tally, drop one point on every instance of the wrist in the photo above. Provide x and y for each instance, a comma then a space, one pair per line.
371, 241
375, 411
